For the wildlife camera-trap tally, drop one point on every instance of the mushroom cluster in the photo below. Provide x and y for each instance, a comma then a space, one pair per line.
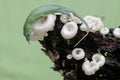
72, 43
77, 54
98, 60
70, 28
69, 31
89, 68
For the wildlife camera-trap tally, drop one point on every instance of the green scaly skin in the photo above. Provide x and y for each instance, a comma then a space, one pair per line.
43, 11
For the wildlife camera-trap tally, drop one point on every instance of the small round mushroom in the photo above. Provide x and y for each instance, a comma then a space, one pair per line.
99, 59
69, 56
104, 31
42, 26
90, 68
69, 18
78, 53
75, 19
83, 27
95, 65
94, 23
116, 32
69, 30
34, 37
64, 18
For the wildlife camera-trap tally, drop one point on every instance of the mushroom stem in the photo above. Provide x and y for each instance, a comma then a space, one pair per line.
82, 37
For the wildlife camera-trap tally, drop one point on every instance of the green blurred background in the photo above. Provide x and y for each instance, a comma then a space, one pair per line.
21, 61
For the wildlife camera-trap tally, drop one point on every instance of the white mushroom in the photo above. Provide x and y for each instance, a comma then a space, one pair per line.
116, 32
69, 30
42, 26
104, 30
95, 65
74, 19
94, 23
90, 68
69, 56
83, 27
78, 53
99, 59
69, 18
64, 18
85, 65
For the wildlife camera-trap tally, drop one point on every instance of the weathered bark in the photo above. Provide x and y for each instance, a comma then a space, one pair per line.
57, 48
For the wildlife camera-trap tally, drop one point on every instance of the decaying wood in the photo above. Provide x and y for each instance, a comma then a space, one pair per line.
57, 48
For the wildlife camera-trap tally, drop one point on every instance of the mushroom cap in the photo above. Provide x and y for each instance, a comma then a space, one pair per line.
69, 30
70, 17
64, 18
116, 32
99, 59
42, 26
69, 56
78, 53
83, 27
94, 23
104, 30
